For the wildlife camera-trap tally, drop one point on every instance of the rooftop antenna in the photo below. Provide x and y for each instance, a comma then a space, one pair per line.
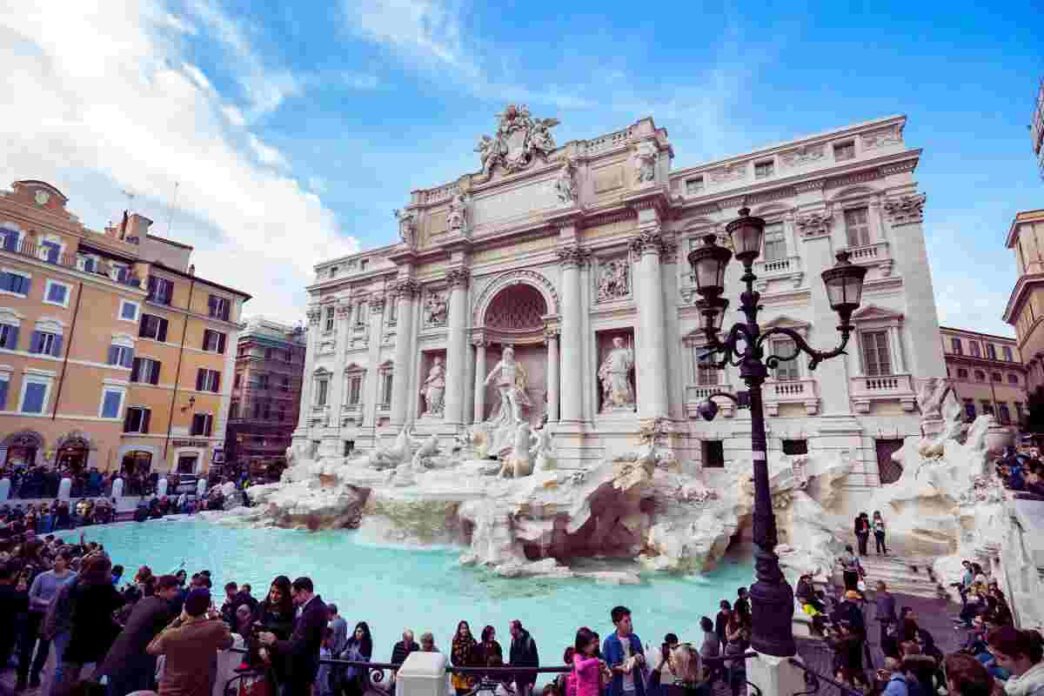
130, 198
173, 204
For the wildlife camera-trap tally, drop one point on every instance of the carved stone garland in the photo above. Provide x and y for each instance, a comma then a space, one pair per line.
905, 210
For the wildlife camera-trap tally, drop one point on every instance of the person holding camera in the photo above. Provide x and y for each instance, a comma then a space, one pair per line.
190, 644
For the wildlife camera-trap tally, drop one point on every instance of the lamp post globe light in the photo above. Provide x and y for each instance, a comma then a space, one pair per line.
746, 346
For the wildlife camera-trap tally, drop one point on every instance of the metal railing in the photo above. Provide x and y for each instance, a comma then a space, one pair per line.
487, 683
815, 681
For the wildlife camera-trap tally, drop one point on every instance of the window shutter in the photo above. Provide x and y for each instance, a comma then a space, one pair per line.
145, 418
34, 342
12, 338
114, 357
135, 369
3, 394
217, 381
154, 372
162, 336
199, 379
209, 425
221, 343
127, 419
211, 306
128, 358
56, 346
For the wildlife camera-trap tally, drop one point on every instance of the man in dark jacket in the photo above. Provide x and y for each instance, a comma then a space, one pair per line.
523, 654
403, 648
129, 667
301, 651
14, 600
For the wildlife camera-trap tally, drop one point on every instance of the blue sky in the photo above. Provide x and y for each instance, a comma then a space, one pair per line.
294, 129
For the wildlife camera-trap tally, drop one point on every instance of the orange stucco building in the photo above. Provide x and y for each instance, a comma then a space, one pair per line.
113, 354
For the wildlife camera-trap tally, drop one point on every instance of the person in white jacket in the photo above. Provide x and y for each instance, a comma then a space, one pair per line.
1022, 654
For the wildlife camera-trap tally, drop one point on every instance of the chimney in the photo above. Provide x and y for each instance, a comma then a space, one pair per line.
192, 269
137, 226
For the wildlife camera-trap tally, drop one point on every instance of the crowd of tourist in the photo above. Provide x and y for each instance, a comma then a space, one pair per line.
1021, 474
72, 622
30, 482
68, 599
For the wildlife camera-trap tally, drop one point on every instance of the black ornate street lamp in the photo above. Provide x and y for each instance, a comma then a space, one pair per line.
745, 346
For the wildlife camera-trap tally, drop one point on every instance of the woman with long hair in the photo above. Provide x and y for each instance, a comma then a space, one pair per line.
358, 649
463, 652
277, 608
589, 670
877, 524
92, 601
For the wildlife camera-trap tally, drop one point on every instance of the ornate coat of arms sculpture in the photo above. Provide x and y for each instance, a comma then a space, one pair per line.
518, 138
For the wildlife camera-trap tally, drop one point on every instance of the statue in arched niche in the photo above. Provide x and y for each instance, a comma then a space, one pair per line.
510, 378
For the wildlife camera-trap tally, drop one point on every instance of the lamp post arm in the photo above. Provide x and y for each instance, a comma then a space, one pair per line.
802, 346
728, 347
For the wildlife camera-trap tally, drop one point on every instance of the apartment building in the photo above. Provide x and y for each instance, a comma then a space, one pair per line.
266, 394
986, 373
113, 354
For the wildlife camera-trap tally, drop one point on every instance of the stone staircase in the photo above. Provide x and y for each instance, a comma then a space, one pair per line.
907, 576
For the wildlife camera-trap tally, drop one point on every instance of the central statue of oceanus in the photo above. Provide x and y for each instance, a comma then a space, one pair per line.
510, 378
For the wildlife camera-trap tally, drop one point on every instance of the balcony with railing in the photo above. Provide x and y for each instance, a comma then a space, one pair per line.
875, 255
695, 394
792, 391
51, 253
778, 273
865, 390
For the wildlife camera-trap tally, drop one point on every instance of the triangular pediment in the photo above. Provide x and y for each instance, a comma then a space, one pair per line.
875, 313
785, 322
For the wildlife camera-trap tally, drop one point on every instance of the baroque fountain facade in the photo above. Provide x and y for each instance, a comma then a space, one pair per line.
519, 372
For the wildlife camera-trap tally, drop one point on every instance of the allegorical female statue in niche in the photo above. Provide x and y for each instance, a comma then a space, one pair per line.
615, 375
434, 388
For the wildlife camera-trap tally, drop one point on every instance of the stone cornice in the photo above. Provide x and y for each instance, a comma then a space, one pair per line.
1019, 294
783, 187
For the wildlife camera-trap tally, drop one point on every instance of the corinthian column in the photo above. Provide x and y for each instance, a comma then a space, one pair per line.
552, 375
456, 345
571, 393
406, 297
650, 340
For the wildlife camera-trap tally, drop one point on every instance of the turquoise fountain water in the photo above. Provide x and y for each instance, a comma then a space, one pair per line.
425, 589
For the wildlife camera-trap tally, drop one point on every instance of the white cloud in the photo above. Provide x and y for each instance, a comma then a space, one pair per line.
93, 104
233, 114
265, 153
264, 87
424, 32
